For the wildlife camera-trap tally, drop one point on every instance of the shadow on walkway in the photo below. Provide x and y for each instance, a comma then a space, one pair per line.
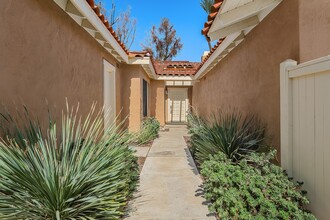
170, 185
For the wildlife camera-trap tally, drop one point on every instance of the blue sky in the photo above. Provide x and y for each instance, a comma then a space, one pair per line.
186, 15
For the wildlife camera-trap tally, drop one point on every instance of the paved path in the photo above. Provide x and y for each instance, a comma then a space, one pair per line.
169, 182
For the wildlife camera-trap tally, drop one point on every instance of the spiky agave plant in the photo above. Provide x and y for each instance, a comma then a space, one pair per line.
195, 126
232, 133
86, 172
21, 126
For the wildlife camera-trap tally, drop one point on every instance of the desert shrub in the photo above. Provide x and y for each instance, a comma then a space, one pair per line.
252, 188
80, 172
233, 134
195, 126
149, 130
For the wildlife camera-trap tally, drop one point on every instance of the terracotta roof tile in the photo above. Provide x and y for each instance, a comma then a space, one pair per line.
167, 68
207, 25
106, 23
214, 12
139, 54
210, 53
176, 68
216, 6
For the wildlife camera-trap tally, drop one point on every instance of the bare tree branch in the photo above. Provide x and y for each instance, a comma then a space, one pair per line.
126, 28
163, 43
112, 19
124, 25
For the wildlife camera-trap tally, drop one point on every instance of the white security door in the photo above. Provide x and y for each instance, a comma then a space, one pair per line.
177, 105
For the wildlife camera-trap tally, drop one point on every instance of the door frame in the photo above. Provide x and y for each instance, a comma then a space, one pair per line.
186, 91
145, 99
109, 94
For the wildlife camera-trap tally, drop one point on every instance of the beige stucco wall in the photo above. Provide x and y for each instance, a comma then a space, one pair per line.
314, 27
248, 78
157, 101
131, 95
45, 55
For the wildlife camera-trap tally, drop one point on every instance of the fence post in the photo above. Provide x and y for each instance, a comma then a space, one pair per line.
286, 115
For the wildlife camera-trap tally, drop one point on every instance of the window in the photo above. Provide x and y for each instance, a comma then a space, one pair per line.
145, 98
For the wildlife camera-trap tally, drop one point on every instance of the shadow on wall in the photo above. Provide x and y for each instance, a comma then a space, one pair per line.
43, 112
131, 97
126, 97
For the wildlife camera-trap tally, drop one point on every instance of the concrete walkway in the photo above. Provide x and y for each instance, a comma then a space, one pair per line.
169, 182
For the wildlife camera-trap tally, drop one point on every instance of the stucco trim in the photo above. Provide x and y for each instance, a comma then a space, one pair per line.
175, 78
219, 54
146, 63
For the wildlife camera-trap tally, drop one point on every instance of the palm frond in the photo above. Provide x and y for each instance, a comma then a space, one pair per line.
207, 5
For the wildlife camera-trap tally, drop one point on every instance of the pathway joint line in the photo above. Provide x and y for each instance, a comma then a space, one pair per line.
169, 182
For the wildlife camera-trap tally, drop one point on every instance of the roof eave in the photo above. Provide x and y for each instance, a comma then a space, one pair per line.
83, 14
228, 21
222, 51
146, 63
232, 24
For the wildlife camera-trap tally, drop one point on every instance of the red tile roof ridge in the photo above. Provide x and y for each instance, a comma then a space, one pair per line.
213, 14
176, 61
210, 53
139, 54
177, 68
196, 65
207, 25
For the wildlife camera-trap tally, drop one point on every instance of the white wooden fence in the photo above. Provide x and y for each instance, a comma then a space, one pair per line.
305, 129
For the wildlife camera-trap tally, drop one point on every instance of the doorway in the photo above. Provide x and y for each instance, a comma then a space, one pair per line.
109, 94
178, 104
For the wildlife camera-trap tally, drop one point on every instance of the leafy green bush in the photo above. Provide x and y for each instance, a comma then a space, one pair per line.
229, 133
149, 130
81, 172
252, 188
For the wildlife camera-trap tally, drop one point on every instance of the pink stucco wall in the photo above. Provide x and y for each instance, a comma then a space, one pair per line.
45, 55
314, 29
248, 78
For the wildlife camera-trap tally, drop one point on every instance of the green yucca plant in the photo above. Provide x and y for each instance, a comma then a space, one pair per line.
81, 172
195, 126
229, 133
21, 126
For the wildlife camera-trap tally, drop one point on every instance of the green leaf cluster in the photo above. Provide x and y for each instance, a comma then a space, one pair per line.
80, 171
252, 188
149, 130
